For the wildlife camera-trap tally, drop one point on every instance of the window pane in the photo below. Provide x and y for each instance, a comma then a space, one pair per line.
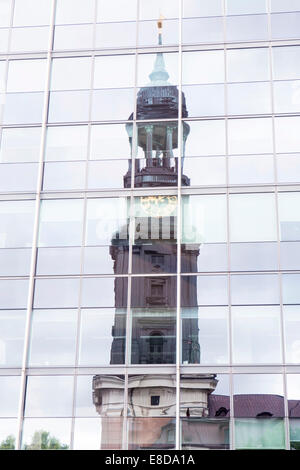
245, 65
256, 335
287, 96
119, 10
290, 255
107, 174
107, 71
23, 108
250, 136
61, 223
73, 37
286, 62
20, 145
205, 335
204, 290
148, 62
209, 257
46, 434
202, 30
29, 39
5, 13
71, 73
288, 5
148, 33
103, 334
16, 227
205, 138
69, 106
103, 110
290, 288
12, 332
87, 434
49, 396
291, 316
56, 293
32, 12
110, 141
9, 396
254, 256
205, 100
203, 67
289, 216
66, 143
104, 292
98, 260
247, 28
8, 433
288, 168
152, 10
251, 169
13, 294
84, 399
206, 171
285, 25
249, 98
75, 11
18, 177
26, 75
259, 434
252, 217
195, 8
236, 7
287, 134
58, 261
254, 289
116, 35
293, 387
15, 262
53, 338
4, 35
64, 176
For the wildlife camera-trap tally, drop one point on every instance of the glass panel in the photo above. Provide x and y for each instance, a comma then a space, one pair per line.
194, 8
58, 261
288, 5
148, 32
204, 219
88, 434
56, 293
20, 145
2, 73
73, 37
205, 335
8, 434
151, 433
236, 7
115, 35
49, 396
203, 67
287, 134
102, 259
103, 110
254, 256
256, 335
204, 258
74, 11
287, 96
294, 433
205, 434
103, 335
12, 331
205, 138
202, 30
71, 73
29, 39
252, 217
290, 255
245, 65
285, 25
204, 290
53, 338
289, 216
247, 28
107, 220
66, 143
13, 294
64, 176
32, 12
205, 100
254, 289
9, 396
259, 434
290, 288
110, 141
293, 395
119, 10
286, 63
69, 106
291, 316
5, 12
104, 292
288, 168
16, 227
251, 169
153, 338
26, 75
153, 10
18, 177
258, 396
46, 434
249, 98
61, 222
250, 136
23, 108
107, 71
4, 35
148, 63
107, 174
206, 171
85, 406
15, 262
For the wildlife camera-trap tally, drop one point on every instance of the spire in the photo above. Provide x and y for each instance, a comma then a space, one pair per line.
159, 76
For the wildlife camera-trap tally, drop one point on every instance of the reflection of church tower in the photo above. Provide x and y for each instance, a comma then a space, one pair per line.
154, 299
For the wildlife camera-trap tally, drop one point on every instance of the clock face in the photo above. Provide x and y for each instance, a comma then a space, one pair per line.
159, 206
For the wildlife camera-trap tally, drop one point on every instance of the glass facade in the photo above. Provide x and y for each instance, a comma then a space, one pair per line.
149, 224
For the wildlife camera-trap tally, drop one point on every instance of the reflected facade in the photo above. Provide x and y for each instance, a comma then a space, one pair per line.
149, 224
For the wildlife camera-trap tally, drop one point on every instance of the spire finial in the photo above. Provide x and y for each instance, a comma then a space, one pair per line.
160, 27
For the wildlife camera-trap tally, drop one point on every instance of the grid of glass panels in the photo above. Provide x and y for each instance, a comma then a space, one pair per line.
133, 242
